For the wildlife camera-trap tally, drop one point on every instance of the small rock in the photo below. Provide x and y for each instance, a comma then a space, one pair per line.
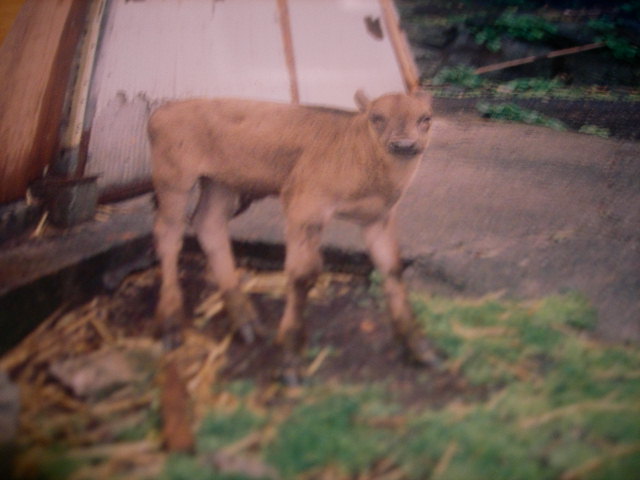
104, 371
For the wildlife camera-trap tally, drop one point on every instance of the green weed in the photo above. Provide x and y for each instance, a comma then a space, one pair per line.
561, 400
185, 467
513, 113
530, 28
461, 76
539, 86
220, 428
558, 404
329, 432
595, 130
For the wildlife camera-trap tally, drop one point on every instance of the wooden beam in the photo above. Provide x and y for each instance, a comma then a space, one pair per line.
400, 46
287, 41
35, 64
522, 61
72, 137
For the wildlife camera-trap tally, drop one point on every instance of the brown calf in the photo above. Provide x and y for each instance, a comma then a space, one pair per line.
322, 163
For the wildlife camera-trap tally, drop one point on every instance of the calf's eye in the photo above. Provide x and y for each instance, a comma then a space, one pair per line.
424, 120
377, 119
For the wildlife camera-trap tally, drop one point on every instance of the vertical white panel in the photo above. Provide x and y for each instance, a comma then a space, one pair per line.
154, 50
182, 48
341, 46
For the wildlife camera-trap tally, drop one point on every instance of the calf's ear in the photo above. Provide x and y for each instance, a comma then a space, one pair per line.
362, 101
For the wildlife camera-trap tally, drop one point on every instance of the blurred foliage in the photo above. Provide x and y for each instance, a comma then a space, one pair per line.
330, 432
511, 112
595, 130
461, 76
530, 28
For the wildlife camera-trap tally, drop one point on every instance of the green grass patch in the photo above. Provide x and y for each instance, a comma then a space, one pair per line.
562, 403
331, 432
510, 112
220, 428
461, 76
595, 130
556, 404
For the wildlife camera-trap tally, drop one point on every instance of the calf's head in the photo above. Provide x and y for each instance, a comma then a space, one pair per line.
400, 123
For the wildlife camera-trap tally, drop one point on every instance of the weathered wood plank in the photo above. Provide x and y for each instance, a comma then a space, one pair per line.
35, 62
8, 12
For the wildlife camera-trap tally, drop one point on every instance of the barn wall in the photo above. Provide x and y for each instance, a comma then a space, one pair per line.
154, 51
35, 62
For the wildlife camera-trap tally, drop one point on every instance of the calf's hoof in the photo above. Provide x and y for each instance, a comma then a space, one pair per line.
290, 371
170, 329
244, 318
172, 335
418, 350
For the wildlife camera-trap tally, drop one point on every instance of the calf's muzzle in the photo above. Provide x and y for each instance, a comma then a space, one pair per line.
403, 147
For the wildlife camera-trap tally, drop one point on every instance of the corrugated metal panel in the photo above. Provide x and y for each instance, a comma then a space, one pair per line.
321, 51
157, 50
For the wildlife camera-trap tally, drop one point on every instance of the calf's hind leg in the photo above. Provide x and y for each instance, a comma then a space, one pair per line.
169, 229
217, 205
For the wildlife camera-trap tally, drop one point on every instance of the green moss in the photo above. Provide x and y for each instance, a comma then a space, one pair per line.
572, 309
185, 467
328, 432
221, 428
511, 112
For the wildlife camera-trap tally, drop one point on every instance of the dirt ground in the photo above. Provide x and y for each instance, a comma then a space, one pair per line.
344, 318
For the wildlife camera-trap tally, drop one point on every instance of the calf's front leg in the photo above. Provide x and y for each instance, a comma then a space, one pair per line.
303, 264
381, 240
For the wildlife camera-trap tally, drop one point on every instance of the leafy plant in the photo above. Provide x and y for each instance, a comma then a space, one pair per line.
460, 75
607, 31
513, 113
530, 28
537, 85
595, 130
220, 428
331, 431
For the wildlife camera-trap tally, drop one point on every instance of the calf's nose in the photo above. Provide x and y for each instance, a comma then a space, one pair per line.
403, 146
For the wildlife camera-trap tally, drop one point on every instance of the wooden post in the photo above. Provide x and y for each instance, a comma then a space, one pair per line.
72, 160
400, 46
287, 41
35, 64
